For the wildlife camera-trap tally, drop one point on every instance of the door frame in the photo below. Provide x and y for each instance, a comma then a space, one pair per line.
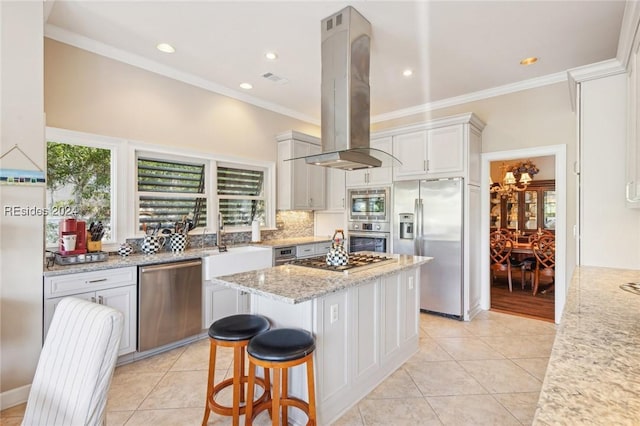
560, 154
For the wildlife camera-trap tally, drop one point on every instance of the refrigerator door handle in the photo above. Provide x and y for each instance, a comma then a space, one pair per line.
417, 211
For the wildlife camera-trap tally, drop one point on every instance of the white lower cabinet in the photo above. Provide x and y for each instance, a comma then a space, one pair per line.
116, 288
363, 334
221, 301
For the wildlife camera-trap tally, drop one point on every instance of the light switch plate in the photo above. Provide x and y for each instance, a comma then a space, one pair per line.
333, 313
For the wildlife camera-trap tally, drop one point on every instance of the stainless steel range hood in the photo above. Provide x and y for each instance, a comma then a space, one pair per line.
345, 121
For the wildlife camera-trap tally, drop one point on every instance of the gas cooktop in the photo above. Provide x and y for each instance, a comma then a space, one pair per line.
357, 261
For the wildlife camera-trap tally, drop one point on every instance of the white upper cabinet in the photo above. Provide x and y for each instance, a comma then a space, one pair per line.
448, 147
300, 186
632, 189
378, 176
336, 188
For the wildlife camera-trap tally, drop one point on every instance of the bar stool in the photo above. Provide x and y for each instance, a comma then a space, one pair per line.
234, 331
280, 349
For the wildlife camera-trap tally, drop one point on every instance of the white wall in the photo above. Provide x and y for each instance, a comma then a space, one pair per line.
21, 242
610, 232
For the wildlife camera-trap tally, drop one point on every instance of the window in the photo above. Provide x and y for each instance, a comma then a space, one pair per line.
170, 192
241, 196
79, 184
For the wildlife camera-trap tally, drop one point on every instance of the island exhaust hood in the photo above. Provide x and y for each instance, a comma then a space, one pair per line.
345, 120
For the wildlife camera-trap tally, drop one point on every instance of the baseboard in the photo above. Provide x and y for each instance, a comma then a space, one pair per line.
14, 397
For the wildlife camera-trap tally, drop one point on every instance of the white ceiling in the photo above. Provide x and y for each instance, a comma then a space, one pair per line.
454, 47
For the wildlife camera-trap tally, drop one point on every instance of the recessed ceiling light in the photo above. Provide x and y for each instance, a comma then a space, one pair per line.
246, 86
407, 73
529, 61
166, 48
272, 56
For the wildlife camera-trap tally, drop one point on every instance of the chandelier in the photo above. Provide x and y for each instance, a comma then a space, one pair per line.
515, 178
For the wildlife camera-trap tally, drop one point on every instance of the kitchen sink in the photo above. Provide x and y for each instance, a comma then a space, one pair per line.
235, 259
232, 250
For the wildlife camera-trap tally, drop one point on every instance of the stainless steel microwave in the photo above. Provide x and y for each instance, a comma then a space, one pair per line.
371, 205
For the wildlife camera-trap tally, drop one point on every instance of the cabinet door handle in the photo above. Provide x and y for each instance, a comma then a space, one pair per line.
101, 300
96, 281
343, 203
425, 165
627, 191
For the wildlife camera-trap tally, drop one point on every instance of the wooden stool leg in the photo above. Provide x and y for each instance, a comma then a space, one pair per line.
267, 385
275, 398
248, 421
242, 398
237, 362
210, 380
312, 392
285, 395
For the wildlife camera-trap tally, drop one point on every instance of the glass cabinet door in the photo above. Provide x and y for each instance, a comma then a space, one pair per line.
512, 211
495, 211
549, 209
530, 208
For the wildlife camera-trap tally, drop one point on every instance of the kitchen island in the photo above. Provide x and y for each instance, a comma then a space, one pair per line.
593, 375
365, 323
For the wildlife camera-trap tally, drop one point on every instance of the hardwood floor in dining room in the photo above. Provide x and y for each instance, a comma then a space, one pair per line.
522, 302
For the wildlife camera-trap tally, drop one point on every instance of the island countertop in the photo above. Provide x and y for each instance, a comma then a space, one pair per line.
295, 284
593, 376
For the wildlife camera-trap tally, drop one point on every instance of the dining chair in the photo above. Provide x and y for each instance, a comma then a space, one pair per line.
76, 365
528, 264
544, 250
500, 251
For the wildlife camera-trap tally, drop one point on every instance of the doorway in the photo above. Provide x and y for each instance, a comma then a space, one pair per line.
558, 153
523, 213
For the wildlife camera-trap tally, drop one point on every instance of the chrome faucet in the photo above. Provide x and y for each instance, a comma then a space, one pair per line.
221, 247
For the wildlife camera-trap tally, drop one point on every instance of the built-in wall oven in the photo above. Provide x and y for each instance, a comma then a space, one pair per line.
369, 205
369, 236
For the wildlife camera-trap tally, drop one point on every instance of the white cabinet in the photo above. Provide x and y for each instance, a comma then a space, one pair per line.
300, 186
632, 184
336, 180
313, 249
378, 176
220, 301
116, 288
448, 147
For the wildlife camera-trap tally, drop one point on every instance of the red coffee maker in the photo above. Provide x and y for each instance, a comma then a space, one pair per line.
73, 227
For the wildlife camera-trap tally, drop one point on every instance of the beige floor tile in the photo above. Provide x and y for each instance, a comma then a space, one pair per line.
178, 389
398, 412
129, 390
488, 327
160, 363
196, 357
350, 418
467, 348
429, 350
537, 367
398, 385
169, 417
118, 418
471, 410
528, 326
501, 376
538, 346
521, 405
436, 326
443, 378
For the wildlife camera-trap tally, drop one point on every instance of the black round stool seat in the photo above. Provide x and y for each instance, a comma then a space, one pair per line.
282, 344
238, 327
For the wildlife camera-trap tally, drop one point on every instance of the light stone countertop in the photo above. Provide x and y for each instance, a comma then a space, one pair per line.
593, 376
295, 284
136, 259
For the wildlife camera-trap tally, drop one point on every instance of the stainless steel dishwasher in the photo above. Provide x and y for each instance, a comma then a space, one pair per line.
169, 303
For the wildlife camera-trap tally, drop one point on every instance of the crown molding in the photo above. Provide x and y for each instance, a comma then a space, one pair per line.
59, 34
591, 72
628, 32
475, 96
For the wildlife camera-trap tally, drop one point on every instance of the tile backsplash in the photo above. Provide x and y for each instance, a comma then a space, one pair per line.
289, 224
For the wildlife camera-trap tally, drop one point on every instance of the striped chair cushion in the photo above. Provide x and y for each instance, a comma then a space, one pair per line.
76, 364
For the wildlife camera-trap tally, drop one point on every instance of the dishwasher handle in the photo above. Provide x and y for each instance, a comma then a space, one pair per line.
172, 265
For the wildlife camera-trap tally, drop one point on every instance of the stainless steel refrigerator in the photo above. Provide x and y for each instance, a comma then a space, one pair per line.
427, 221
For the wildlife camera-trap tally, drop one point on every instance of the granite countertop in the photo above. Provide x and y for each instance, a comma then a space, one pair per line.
137, 259
283, 242
593, 376
295, 284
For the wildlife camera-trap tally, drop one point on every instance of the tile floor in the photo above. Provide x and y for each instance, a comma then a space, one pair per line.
485, 372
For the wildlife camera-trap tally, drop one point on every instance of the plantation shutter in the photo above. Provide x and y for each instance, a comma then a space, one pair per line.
240, 195
169, 191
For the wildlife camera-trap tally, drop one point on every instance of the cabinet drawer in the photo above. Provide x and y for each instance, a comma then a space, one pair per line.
323, 248
305, 250
65, 285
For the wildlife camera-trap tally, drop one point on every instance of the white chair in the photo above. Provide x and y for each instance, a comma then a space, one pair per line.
76, 365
